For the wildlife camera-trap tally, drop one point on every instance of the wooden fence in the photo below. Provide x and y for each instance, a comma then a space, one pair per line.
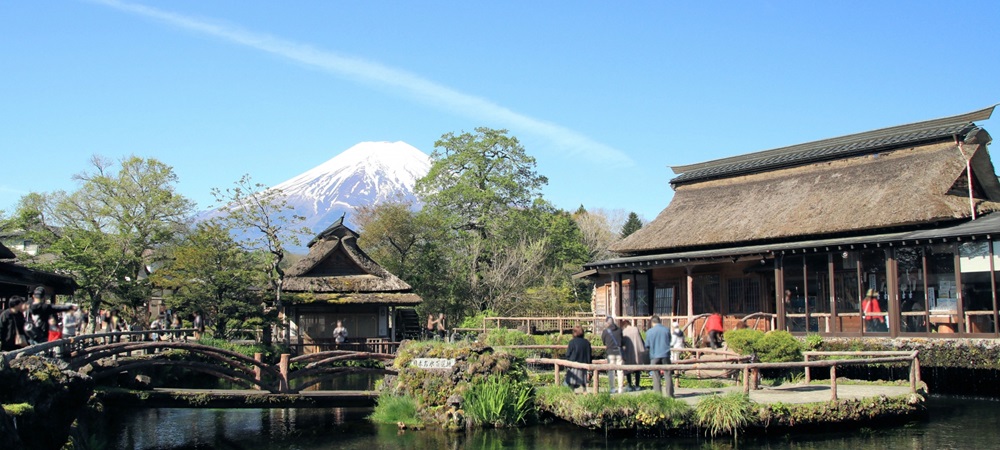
751, 370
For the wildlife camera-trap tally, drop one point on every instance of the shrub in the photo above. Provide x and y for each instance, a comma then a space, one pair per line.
814, 342
476, 321
503, 336
773, 346
778, 346
723, 414
742, 341
498, 402
393, 409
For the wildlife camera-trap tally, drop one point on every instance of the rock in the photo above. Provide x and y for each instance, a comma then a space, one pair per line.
56, 393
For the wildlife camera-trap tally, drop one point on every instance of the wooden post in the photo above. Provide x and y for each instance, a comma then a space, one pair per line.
597, 380
915, 368
256, 369
746, 381
833, 383
808, 372
756, 378
555, 378
283, 370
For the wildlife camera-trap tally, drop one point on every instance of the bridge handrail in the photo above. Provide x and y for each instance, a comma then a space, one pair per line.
44, 346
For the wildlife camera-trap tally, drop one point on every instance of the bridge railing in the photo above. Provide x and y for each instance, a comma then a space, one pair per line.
67, 345
750, 370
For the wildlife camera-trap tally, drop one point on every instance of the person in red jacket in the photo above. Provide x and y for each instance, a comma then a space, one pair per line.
715, 330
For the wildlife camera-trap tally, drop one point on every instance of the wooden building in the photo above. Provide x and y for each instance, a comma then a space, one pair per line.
338, 281
904, 220
16, 279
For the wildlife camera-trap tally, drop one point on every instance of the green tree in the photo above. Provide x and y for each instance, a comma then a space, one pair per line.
267, 221
632, 224
477, 178
104, 233
208, 271
475, 182
269, 226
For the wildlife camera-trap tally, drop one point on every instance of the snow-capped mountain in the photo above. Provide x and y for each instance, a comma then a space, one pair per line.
367, 173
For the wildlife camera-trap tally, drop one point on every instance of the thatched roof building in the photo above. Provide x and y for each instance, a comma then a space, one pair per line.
337, 271
893, 179
810, 236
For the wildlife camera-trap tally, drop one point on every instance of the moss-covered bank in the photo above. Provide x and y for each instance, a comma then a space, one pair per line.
41, 400
651, 414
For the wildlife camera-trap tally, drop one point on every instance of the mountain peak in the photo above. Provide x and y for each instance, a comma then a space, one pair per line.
365, 174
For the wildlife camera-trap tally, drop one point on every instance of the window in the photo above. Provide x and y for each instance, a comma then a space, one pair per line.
706, 294
663, 300
744, 295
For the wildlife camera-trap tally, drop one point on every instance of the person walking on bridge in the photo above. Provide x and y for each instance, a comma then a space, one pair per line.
612, 339
37, 325
12, 325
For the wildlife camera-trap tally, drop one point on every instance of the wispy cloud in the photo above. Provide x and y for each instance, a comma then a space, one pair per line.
360, 70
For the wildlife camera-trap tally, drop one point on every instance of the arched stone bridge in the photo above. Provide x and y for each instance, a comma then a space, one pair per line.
106, 355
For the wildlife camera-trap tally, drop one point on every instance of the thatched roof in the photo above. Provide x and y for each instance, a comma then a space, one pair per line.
378, 298
336, 265
885, 189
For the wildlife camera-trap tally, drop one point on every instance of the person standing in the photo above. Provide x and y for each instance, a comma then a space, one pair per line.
340, 333
578, 350
71, 323
199, 325
12, 325
676, 335
612, 339
39, 313
430, 326
715, 330
872, 312
634, 352
442, 330
658, 343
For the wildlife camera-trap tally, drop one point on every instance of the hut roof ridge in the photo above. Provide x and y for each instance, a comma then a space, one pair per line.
834, 148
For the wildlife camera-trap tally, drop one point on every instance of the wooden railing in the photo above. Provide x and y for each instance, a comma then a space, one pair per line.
750, 370
70, 344
594, 324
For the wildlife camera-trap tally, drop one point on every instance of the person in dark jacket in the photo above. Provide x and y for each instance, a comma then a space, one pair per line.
578, 350
612, 339
12, 325
39, 313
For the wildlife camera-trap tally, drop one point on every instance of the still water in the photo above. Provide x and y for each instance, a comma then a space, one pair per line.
955, 423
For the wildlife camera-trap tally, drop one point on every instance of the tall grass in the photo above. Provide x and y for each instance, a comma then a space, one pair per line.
723, 414
497, 402
396, 409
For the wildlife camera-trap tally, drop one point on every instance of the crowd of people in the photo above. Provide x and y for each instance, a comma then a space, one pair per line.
36, 320
624, 345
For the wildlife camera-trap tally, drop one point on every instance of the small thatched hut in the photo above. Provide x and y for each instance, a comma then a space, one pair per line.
338, 281
900, 219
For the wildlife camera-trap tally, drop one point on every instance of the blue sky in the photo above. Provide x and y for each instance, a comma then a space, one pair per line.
606, 95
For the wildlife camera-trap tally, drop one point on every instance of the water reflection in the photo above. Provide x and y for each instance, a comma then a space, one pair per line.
953, 423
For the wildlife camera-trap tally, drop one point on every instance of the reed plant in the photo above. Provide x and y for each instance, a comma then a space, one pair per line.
395, 409
498, 402
723, 414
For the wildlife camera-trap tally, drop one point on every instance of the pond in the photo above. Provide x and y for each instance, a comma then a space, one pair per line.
953, 423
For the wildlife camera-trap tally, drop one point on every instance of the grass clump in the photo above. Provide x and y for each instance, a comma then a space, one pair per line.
394, 409
18, 409
647, 410
497, 402
723, 414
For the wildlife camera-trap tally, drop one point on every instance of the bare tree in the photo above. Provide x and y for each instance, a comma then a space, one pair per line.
600, 229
